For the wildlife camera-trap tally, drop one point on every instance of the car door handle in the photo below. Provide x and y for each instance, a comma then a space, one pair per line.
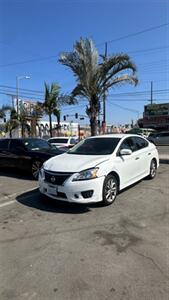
137, 158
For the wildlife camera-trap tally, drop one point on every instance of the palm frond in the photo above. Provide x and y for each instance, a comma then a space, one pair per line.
114, 65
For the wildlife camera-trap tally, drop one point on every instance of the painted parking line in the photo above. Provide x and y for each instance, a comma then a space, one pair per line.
7, 203
14, 195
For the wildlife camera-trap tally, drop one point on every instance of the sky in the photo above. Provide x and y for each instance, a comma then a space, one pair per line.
33, 34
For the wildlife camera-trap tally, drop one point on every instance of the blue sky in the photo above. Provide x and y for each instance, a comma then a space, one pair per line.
34, 32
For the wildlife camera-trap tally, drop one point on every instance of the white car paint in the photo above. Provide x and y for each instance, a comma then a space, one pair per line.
60, 141
129, 168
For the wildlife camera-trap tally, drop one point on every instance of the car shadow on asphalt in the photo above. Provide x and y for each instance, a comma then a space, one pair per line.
35, 200
164, 161
18, 174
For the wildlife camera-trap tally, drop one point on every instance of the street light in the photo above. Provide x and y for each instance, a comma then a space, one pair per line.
17, 90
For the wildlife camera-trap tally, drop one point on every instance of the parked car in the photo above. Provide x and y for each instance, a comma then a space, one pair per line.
26, 153
141, 131
160, 138
97, 168
62, 142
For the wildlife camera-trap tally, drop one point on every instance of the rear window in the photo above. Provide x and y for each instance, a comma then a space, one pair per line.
4, 144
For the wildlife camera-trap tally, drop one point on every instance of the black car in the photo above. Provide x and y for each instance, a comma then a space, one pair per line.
26, 153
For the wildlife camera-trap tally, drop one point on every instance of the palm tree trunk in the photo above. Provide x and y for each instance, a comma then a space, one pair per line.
22, 130
93, 125
50, 124
58, 124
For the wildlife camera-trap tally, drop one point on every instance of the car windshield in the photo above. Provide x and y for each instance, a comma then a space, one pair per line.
36, 144
95, 146
59, 141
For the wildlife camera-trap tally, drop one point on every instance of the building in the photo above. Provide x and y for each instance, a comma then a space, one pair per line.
155, 116
66, 128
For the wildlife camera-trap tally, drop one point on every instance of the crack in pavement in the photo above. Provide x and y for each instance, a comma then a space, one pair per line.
152, 260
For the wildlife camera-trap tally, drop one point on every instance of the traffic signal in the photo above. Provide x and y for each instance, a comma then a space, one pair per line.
64, 118
76, 115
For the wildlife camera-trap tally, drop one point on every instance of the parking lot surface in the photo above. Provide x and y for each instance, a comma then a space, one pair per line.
54, 250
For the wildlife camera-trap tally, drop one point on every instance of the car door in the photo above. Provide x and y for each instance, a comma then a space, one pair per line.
143, 155
127, 165
4, 153
17, 154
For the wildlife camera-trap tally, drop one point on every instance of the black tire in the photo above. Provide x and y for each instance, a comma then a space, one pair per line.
35, 167
110, 189
153, 169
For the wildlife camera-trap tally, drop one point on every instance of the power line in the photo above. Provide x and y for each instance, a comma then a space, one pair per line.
54, 56
127, 94
135, 34
149, 49
28, 61
125, 108
138, 93
103, 43
11, 87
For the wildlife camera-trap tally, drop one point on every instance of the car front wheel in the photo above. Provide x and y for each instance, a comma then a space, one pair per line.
110, 189
35, 168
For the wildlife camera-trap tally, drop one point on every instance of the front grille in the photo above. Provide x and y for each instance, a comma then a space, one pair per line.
57, 178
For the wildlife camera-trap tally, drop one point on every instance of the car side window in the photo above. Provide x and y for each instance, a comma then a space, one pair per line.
128, 143
72, 141
140, 143
14, 144
4, 144
166, 134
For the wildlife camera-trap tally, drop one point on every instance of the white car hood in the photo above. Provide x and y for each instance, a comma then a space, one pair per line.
73, 162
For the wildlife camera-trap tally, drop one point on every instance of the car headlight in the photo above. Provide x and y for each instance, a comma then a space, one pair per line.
42, 173
86, 174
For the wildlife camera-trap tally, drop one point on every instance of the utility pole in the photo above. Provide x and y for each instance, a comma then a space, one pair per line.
104, 97
151, 99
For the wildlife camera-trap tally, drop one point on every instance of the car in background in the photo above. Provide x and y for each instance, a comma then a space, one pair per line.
159, 138
27, 154
141, 131
63, 142
97, 168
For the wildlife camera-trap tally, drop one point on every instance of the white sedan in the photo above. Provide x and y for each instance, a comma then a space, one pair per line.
97, 168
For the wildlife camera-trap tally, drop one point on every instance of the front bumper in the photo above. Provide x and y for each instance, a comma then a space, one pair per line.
73, 191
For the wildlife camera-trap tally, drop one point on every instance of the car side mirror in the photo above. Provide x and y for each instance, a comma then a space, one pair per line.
125, 152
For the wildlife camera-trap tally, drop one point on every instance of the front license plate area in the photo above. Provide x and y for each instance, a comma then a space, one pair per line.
52, 190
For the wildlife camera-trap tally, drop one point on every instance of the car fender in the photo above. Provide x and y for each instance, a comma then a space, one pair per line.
106, 167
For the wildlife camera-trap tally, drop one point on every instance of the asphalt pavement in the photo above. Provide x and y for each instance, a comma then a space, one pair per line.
61, 251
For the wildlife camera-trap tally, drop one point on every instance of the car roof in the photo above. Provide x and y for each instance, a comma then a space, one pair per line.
63, 137
115, 135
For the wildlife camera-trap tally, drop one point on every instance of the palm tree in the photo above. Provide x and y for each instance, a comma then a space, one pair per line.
3, 110
53, 101
57, 115
13, 122
95, 77
50, 104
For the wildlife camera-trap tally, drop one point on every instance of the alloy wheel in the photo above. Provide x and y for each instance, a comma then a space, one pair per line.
153, 169
36, 165
110, 189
